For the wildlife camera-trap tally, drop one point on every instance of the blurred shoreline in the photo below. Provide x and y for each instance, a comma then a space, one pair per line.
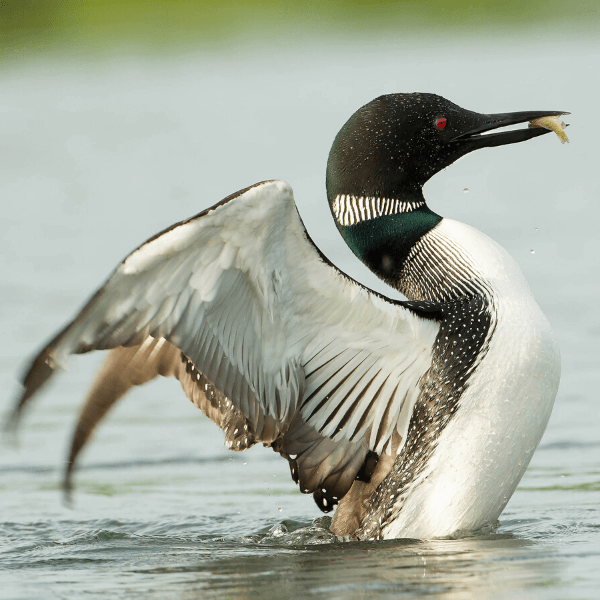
29, 28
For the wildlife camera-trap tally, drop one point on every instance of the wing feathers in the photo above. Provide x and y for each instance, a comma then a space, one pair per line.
278, 345
353, 390
372, 397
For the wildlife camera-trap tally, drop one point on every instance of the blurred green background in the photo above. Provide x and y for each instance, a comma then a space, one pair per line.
31, 26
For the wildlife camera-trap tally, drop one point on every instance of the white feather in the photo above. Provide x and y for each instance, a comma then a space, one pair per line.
245, 295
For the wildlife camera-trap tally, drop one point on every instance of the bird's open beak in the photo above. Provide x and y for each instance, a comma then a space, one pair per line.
479, 138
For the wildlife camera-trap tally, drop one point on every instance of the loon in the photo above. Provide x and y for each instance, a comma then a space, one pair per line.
416, 417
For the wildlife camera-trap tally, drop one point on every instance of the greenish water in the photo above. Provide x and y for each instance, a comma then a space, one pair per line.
97, 154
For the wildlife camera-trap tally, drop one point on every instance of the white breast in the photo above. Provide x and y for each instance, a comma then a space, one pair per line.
484, 450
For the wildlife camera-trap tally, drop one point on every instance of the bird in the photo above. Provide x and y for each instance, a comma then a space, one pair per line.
412, 418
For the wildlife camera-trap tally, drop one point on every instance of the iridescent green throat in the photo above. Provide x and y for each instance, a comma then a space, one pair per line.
384, 243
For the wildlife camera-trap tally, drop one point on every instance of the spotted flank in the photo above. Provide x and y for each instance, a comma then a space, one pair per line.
474, 319
349, 210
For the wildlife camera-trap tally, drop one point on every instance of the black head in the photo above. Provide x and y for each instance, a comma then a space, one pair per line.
390, 147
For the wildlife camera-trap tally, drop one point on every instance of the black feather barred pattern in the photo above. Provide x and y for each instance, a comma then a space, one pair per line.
353, 461
467, 326
436, 270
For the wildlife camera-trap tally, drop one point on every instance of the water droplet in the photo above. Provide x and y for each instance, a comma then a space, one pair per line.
466, 190
536, 228
532, 251
280, 509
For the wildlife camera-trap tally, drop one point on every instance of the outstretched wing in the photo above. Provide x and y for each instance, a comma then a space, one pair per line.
267, 333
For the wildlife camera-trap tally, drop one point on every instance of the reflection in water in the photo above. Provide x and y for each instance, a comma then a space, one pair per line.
499, 566
276, 565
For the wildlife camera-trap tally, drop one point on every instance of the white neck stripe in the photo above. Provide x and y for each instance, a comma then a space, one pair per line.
349, 210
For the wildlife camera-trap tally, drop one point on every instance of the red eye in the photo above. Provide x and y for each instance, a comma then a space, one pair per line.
441, 123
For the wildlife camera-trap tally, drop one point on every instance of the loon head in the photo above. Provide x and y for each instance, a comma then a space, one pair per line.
391, 146
382, 157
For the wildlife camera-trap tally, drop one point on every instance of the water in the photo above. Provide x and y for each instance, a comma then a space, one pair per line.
97, 155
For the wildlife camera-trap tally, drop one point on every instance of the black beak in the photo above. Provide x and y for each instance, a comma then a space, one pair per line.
478, 138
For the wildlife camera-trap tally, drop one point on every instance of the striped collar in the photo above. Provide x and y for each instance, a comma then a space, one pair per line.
349, 210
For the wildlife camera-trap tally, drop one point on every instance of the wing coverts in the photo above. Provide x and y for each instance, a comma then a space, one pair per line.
267, 338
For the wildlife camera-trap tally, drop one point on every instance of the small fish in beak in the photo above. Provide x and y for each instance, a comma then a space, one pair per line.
552, 123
